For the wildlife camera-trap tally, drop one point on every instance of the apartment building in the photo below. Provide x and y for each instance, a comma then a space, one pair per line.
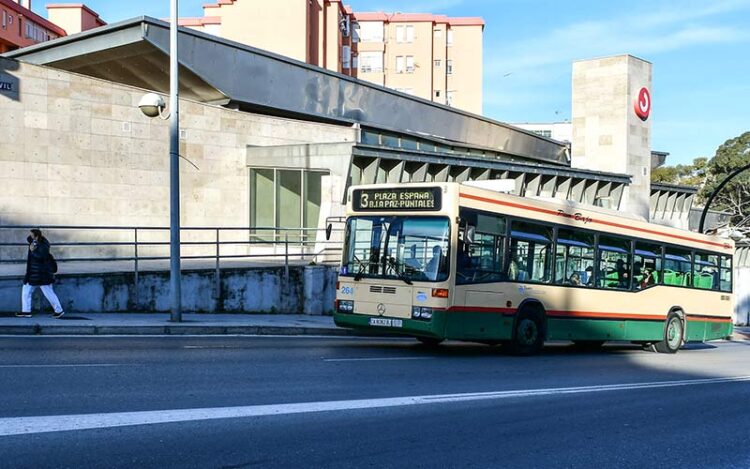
21, 27
430, 56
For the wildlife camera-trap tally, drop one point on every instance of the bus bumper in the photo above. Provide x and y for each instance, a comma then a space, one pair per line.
408, 327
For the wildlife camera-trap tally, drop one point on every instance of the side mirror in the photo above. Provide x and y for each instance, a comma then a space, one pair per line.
470, 232
329, 228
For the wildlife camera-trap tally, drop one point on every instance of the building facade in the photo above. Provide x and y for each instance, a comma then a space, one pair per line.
433, 57
73, 17
21, 27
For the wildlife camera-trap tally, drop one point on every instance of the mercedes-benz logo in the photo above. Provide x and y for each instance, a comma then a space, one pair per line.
381, 309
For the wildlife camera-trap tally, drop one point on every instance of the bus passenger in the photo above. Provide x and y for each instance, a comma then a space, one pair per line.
647, 280
575, 279
623, 276
589, 275
412, 262
433, 266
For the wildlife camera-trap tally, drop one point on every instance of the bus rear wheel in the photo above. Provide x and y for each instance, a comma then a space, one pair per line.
430, 341
673, 335
528, 334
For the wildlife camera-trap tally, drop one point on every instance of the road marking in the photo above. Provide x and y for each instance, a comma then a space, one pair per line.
60, 423
375, 359
89, 365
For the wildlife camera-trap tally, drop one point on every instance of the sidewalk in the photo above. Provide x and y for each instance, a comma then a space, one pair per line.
159, 324
196, 324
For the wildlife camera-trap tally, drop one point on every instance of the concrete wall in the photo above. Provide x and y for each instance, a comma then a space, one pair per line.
76, 150
742, 295
607, 134
281, 27
466, 80
309, 290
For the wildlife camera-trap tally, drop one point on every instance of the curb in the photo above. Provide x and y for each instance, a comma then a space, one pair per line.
52, 330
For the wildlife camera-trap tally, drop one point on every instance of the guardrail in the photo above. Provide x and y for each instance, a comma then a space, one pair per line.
142, 244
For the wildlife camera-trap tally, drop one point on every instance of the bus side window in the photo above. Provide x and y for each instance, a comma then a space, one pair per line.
677, 267
706, 271
647, 265
530, 253
574, 258
614, 263
481, 260
725, 275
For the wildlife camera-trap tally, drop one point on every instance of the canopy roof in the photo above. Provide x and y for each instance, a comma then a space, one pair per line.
214, 70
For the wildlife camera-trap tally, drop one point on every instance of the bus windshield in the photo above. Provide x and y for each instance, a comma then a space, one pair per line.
401, 247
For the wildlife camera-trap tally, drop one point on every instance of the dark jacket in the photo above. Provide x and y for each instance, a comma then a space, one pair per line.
38, 266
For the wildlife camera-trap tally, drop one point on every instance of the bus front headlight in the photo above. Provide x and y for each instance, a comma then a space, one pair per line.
346, 306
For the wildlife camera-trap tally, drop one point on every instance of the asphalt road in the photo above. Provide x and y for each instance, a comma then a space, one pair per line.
342, 402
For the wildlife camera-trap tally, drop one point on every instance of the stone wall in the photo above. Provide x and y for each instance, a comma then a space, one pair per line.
77, 150
308, 290
607, 134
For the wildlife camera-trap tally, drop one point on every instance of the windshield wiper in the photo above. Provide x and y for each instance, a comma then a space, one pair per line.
394, 264
362, 266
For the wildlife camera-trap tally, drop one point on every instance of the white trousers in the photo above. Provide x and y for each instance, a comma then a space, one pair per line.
49, 293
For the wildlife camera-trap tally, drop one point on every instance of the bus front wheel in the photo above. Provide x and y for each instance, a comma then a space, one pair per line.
528, 334
673, 335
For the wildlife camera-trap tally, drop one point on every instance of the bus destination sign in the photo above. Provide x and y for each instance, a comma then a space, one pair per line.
403, 198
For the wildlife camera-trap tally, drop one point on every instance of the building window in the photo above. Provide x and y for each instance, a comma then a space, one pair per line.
370, 62
400, 64
438, 33
544, 133
449, 37
355, 62
449, 98
371, 31
5, 19
285, 198
409, 64
400, 34
437, 93
438, 63
449, 67
346, 57
410, 34
355, 32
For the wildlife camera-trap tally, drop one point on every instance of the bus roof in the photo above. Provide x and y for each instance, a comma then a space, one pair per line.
572, 214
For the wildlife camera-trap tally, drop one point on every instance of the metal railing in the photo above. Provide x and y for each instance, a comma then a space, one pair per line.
137, 246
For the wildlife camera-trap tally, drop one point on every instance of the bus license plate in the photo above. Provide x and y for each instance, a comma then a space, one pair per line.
385, 322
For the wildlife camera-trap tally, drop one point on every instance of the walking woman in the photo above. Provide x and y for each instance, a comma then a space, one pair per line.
40, 272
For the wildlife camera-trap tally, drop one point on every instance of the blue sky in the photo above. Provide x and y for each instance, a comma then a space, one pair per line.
700, 52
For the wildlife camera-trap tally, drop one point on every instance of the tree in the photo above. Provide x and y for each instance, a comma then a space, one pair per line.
685, 175
735, 196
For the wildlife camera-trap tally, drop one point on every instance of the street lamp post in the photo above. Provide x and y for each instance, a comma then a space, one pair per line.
174, 171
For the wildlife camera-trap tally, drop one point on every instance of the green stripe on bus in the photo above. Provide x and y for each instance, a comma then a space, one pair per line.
598, 329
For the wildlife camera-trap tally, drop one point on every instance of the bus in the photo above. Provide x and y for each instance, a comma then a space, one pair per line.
439, 261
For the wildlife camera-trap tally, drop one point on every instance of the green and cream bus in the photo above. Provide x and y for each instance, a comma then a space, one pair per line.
454, 261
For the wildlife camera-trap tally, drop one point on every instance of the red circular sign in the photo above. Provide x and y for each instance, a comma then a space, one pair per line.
643, 104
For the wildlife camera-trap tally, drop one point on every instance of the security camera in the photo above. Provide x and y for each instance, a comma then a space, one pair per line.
152, 105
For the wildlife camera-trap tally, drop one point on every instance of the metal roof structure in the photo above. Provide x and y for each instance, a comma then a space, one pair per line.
214, 70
